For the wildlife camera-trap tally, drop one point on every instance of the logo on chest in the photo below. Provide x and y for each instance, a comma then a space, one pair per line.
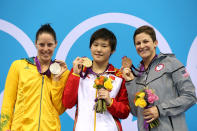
159, 67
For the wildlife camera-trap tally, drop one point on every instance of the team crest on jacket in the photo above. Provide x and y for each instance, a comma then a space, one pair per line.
159, 67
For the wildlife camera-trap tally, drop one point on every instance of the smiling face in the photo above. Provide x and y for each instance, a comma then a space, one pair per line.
45, 45
145, 46
101, 50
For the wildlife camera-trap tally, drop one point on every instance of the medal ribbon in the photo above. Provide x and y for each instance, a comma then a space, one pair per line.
89, 70
48, 73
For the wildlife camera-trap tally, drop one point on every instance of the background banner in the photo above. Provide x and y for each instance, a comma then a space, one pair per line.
74, 21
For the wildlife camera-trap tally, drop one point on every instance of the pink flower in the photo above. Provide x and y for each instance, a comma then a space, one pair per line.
148, 91
151, 96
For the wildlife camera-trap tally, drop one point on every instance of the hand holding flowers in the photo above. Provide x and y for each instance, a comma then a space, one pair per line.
104, 94
104, 86
145, 99
150, 114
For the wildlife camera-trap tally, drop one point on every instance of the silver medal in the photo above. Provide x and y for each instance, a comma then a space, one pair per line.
55, 68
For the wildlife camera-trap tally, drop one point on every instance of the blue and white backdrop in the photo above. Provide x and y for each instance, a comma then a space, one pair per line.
74, 21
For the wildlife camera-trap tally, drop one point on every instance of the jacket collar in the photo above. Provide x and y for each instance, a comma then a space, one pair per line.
30, 60
35, 61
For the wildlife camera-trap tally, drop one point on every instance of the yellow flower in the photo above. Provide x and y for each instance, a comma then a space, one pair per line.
141, 94
108, 84
140, 102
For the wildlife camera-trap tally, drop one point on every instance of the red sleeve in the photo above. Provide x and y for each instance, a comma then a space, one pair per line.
120, 106
70, 95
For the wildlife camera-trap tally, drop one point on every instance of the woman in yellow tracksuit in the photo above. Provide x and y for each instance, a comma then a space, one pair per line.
32, 95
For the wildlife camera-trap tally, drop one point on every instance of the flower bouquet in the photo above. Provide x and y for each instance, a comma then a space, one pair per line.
106, 83
145, 99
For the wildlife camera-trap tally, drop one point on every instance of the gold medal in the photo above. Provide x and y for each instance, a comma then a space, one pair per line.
55, 68
86, 62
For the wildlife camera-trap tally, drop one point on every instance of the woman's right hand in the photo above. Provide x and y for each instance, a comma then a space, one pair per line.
77, 65
127, 74
63, 66
125, 69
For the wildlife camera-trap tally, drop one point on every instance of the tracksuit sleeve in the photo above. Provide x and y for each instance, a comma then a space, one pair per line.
130, 86
57, 92
9, 98
120, 105
185, 90
70, 94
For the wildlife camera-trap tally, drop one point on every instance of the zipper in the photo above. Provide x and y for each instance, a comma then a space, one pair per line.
95, 112
147, 73
41, 102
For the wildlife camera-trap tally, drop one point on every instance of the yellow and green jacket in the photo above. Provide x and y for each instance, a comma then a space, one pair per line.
32, 101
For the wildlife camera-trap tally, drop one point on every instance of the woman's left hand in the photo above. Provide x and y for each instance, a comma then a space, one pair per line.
151, 114
63, 69
104, 94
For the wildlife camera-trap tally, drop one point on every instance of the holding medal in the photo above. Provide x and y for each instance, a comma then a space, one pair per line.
158, 76
97, 88
58, 67
86, 62
126, 68
126, 62
33, 89
55, 68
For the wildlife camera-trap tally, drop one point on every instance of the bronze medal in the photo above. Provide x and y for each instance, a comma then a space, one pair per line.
126, 62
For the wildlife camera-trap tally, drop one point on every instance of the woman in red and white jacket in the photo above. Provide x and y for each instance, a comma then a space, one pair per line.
79, 88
